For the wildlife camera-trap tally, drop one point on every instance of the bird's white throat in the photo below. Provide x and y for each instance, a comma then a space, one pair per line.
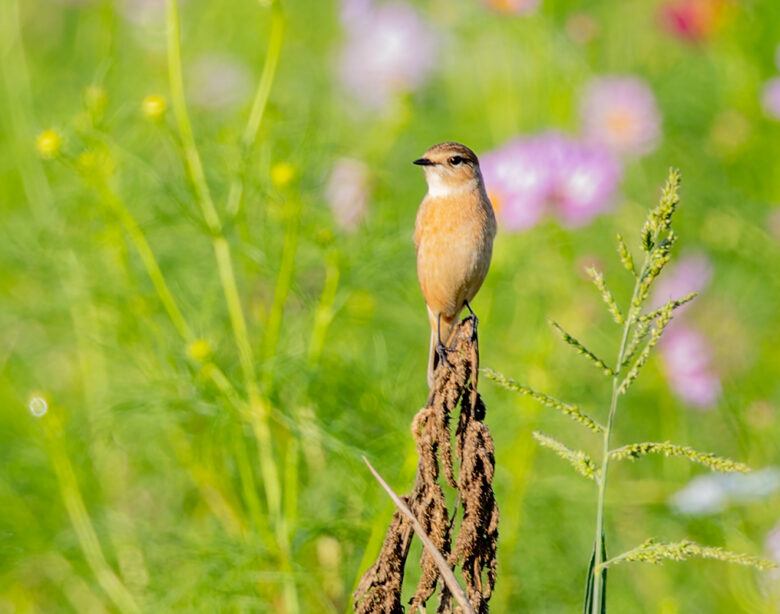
439, 186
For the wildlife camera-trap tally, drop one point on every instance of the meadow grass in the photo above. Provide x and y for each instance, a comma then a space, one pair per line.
195, 355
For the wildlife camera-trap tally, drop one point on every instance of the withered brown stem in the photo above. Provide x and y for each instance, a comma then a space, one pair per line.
379, 590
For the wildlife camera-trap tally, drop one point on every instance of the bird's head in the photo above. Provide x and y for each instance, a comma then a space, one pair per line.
450, 168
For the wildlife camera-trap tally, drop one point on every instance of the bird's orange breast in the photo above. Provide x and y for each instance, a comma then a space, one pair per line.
454, 240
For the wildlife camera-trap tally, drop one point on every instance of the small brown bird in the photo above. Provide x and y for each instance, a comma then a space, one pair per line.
453, 235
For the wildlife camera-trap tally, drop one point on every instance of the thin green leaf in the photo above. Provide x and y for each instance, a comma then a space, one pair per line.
580, 461
675, 304
625, 256
713, 462
606, 295
655, 337
656, 553
581, 349
572, 411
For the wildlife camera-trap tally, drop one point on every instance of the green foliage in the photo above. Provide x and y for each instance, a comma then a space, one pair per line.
656, 553
715, 463
163, 486
657, 239
606, 295
581, 349
579, 461
572, 411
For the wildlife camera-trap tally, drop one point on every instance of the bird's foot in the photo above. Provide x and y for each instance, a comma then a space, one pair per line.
442, 351
472, 316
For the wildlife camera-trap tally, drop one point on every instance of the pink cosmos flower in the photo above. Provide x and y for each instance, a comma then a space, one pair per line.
621, 113
389, 51
347, 192
692, 273
691, 20
585, 177
687, 356
518, 183
770, 98
513, 7
685, 352
549, 173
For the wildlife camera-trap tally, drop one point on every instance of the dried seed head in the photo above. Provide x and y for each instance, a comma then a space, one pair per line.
379, 591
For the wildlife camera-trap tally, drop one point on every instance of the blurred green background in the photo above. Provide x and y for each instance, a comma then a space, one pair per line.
145, 485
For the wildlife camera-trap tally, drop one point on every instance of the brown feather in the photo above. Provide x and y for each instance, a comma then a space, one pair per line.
454, 239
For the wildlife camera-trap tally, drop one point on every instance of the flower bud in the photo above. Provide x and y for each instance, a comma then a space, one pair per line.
154, 107
48, 144
282, 173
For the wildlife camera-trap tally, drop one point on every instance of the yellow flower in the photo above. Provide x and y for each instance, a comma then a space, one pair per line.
154, 107
199, 350
282, 173
48, 144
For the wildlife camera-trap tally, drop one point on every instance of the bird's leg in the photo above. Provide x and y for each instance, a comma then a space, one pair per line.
474, 317
442, 349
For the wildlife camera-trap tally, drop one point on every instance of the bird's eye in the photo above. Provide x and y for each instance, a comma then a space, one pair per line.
455, 160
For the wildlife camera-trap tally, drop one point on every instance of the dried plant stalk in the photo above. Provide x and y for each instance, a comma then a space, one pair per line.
475, 546
379, 591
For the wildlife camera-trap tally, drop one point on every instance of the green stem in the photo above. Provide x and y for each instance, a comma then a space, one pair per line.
281, 292
179, 105
599, 553
209, 369
258, 408
115, 204
323, 314
82, 524
236, 193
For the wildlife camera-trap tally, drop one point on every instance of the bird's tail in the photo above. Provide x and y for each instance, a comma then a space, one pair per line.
447, 324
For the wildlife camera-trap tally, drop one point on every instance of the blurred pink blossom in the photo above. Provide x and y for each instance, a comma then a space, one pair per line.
692, 20
772, 543
513, 7
518, 183
216, 82
582, 28
549, 173
687, 357
585, 177
621, 113
143, 12
773, 223
353, 11
770, 98
692, 273
390, 50
347, 192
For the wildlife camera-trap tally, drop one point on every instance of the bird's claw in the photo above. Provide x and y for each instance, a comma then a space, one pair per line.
442, 350
472, 316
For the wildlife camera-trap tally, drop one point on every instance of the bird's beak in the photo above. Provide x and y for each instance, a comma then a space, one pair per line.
424, 162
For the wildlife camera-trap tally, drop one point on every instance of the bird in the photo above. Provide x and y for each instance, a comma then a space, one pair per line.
453, 237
